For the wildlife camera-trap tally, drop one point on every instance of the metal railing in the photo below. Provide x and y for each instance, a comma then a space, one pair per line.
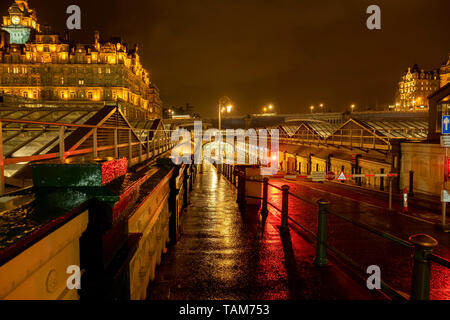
422, 244
154, 147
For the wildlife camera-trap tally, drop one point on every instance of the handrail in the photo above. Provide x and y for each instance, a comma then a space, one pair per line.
375, 231
420, 243
75, 125
439, 260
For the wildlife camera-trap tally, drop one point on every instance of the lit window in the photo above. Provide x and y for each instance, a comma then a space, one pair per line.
89, 95
108, 70
81, 82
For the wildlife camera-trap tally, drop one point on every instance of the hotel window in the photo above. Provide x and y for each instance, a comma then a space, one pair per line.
35, 95
108, 70
62, 80
25, 94
89, 95
72, 95
81, 82
99, 70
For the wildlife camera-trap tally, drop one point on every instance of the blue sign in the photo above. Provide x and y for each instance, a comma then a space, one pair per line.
446, 124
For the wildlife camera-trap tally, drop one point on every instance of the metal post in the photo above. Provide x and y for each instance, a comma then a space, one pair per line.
285, 208
241, 191
390, 193
444, 187
423, 248
95, 143
61, 142
264, 209
321, 249
148, 145
411, 184
2, 163
140, 151
116, 149
130, 148
382, 180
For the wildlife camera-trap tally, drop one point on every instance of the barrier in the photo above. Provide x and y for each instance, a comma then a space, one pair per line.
422, 244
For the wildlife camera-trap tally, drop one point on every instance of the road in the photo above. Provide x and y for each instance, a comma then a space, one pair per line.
360, 245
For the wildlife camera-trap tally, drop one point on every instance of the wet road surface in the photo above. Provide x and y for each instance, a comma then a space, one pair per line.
362, 246
223, 254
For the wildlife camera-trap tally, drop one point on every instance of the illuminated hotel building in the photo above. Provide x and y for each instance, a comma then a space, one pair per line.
445, 72
37, 66
415, 87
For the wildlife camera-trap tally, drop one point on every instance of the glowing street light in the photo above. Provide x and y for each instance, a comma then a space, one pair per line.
353, 107
270, 107
312, 109
224, 105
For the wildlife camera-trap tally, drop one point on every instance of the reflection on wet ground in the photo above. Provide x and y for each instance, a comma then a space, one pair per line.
224, 254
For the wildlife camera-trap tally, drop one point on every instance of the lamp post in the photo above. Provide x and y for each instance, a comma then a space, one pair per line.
312, 109
321, 107
224, 105
353, 107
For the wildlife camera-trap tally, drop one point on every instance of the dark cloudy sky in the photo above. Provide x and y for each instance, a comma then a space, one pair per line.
292, 53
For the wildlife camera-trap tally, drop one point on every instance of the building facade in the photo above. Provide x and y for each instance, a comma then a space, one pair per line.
43, 67
415, 87
445, 72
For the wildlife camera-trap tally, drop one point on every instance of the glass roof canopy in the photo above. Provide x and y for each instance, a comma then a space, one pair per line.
20, 140
392, 129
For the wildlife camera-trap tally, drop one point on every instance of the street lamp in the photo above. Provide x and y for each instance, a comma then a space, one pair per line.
353, 107
270, 107
321, 107
265, 109
224, 105
312, 109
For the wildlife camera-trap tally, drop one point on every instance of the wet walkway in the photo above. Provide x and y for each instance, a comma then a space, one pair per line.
225, 255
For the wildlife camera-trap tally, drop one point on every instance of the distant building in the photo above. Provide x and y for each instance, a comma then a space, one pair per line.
415, 87
445, 72
180, 112
39, 65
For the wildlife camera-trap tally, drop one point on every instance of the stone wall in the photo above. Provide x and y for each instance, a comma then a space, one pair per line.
426, 161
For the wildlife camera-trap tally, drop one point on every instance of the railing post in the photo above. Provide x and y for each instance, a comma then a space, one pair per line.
382, 180
241, 191
95, 143
423, 248
390, 193
130, 148
321, 249
2, 163
116, 149
148, 145
264, 209
285, 209
411, 184
61, 142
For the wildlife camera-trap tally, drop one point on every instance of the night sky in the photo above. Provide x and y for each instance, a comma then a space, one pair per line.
289, 53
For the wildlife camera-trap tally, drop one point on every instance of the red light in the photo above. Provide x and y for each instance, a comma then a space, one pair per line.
447, 170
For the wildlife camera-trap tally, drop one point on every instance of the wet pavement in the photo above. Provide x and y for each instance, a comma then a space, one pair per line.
362, 246
223, 254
